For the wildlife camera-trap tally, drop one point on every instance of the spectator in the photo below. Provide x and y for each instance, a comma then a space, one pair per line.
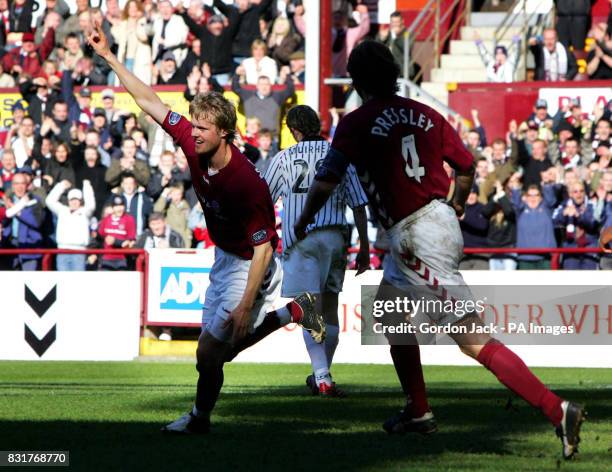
604, 212
59, 168
92, 139
244, 20
599, 60
117, 230
108, 103
40, 97
158, 141
58, 7
393, 36
9, 168
90, 169
168, 73
169, 33
159, 235
267, 150
573, 19
128, 164
540, 113
502, 228
474, 227
133, 42
534, 162
263, 102
79, 106
576, 220
166, 175
137, 203
6, 80
499, 68
570, 157
482, 171
21, 141
84, 74
297, 67
252, 129
28, 58
534, 224
258, 65
57, 127
72, 230
553, 61
216, 43
70, 53
602, 134
197, 224
176, 210
345, 38
282, 42
73, 22
201, 82
23, 222
20, 16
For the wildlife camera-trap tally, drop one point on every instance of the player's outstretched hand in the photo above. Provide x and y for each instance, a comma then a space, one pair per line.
239, 318
605, 240
98, 40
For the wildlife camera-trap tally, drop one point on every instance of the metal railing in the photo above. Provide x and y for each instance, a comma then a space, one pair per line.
433, 10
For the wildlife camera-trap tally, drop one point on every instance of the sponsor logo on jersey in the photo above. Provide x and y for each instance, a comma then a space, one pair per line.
259, 236
174, 118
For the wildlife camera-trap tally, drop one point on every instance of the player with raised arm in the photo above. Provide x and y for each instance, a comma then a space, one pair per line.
317, 263
245, 277
398, 147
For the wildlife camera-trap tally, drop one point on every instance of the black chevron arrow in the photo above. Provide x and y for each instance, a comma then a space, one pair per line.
40, 307
40, 346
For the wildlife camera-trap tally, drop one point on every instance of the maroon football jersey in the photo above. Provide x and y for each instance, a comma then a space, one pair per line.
398, 146
236, 200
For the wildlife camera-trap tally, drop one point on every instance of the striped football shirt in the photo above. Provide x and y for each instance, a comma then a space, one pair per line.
290, 175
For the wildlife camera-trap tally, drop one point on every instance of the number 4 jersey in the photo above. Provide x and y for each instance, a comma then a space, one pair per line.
398, 147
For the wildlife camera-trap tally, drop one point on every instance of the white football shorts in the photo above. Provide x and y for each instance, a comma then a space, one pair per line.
228, 280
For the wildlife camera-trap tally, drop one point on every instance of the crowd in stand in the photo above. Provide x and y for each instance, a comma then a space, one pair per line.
73, 176
546, 184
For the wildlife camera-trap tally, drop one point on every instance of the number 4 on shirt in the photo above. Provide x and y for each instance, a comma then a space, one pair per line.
412, 168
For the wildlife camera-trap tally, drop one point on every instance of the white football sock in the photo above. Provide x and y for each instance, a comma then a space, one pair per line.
318, 359
331, 342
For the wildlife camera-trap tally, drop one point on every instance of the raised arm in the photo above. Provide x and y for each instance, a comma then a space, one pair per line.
144, 95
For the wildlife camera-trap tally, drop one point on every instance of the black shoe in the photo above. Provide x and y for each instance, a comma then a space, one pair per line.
311, 383
403, 423
311, 320
188, 424
569, 429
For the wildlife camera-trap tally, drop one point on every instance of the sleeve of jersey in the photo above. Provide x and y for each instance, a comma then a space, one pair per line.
260, 224
179, 128
339, 155
354, 194
453, 150
275, 176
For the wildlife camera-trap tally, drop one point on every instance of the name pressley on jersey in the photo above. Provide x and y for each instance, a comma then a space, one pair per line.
392, 116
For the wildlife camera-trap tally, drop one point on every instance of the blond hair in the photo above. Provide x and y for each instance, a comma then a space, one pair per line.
214, 107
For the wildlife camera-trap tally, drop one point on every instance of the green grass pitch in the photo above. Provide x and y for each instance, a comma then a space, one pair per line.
108, 416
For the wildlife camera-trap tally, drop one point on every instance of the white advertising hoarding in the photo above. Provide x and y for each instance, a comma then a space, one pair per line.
589, 97
180, 280
70, 315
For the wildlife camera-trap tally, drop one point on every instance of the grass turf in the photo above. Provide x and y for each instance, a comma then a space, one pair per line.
108, 416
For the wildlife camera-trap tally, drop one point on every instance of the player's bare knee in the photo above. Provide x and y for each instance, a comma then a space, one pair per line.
210, 352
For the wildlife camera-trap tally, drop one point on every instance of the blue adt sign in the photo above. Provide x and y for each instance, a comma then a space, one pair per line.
183, 288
